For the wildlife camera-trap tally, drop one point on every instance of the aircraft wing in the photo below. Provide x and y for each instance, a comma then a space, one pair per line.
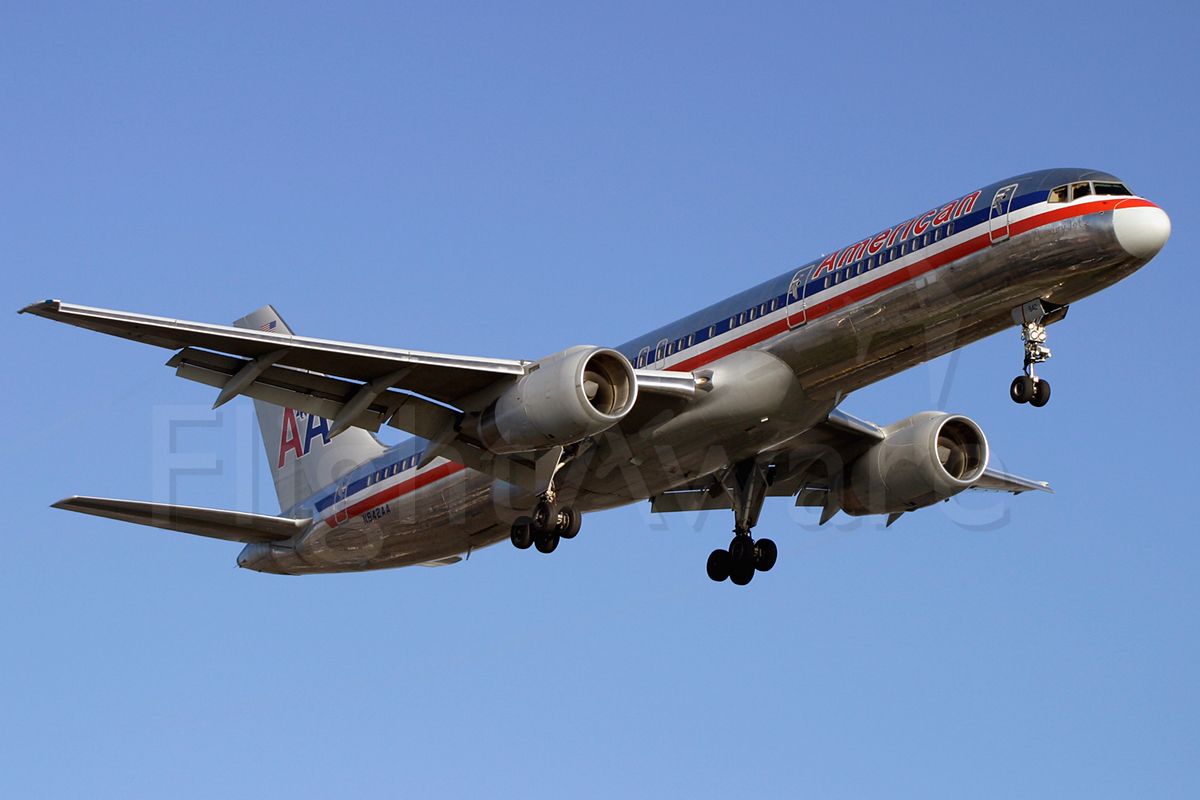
446, 378
805, 467
215, 523
851, 429
358, 385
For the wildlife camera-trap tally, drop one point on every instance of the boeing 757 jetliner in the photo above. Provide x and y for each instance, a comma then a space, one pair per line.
718, 410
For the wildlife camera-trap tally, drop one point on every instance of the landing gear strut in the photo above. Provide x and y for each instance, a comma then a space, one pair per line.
746, 485
1029, 388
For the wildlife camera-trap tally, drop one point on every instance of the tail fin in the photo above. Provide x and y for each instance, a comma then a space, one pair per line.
303, 456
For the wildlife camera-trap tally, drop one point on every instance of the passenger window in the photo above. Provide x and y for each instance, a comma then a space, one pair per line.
1058, 194
1079, 190
774, 303
1111, 188
712, 331
827, 281
750, 314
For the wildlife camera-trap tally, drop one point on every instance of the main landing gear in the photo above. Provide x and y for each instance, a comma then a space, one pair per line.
545, 527
550, 521
746, 485
1029, 388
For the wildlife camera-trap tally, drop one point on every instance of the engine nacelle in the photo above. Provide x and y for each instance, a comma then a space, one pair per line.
928, 457
569, 396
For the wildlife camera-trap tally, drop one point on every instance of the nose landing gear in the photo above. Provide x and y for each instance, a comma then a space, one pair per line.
1033, 317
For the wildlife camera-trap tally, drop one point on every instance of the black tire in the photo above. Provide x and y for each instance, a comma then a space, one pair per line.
521, 534
718, 565
765, 554
1021, 390
1041, 393
544, 518
546, 542
742, 549
741, 574
569, 522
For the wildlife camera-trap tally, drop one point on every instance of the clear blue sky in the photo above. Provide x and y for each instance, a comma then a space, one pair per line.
509, 180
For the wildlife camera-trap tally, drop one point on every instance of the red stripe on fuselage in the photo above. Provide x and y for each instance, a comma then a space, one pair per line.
397, 491
916, 269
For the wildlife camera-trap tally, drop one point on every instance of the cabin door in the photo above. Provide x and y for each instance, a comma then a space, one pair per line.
796, 314
341, 512
998, 224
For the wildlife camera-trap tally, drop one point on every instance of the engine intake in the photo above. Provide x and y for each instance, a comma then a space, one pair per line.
928, 457
568, 396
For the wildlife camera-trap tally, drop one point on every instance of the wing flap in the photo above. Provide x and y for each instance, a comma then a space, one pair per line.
215, 523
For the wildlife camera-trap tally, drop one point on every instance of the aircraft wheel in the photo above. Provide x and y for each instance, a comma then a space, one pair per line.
546, 542
521, 534
741, 549
1022, 389
741, 573
1041, 393
569, 522
545, 517
718, 565
765, 554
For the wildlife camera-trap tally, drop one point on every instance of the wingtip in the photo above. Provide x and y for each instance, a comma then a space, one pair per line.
41, 307
66, 503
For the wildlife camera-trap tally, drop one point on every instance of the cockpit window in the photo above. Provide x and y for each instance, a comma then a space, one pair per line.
1081, 189
1111, 188
1059, 194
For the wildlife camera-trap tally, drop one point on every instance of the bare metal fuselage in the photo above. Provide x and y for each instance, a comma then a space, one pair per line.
764, 395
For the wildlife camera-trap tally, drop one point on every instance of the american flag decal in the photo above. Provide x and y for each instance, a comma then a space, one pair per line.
267, 326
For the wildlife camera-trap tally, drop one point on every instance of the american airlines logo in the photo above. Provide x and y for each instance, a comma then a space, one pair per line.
290, 438
914, 227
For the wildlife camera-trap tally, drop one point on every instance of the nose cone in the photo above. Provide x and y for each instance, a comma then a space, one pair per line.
1141, 230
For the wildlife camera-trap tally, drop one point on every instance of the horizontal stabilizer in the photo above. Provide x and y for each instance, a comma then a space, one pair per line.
216, 523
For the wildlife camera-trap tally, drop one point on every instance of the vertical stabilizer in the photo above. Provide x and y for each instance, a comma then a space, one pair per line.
302, 455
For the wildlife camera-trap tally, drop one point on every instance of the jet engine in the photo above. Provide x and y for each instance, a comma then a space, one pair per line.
928, 457
568, 396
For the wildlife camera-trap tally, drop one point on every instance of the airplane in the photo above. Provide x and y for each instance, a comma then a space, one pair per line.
718, 410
